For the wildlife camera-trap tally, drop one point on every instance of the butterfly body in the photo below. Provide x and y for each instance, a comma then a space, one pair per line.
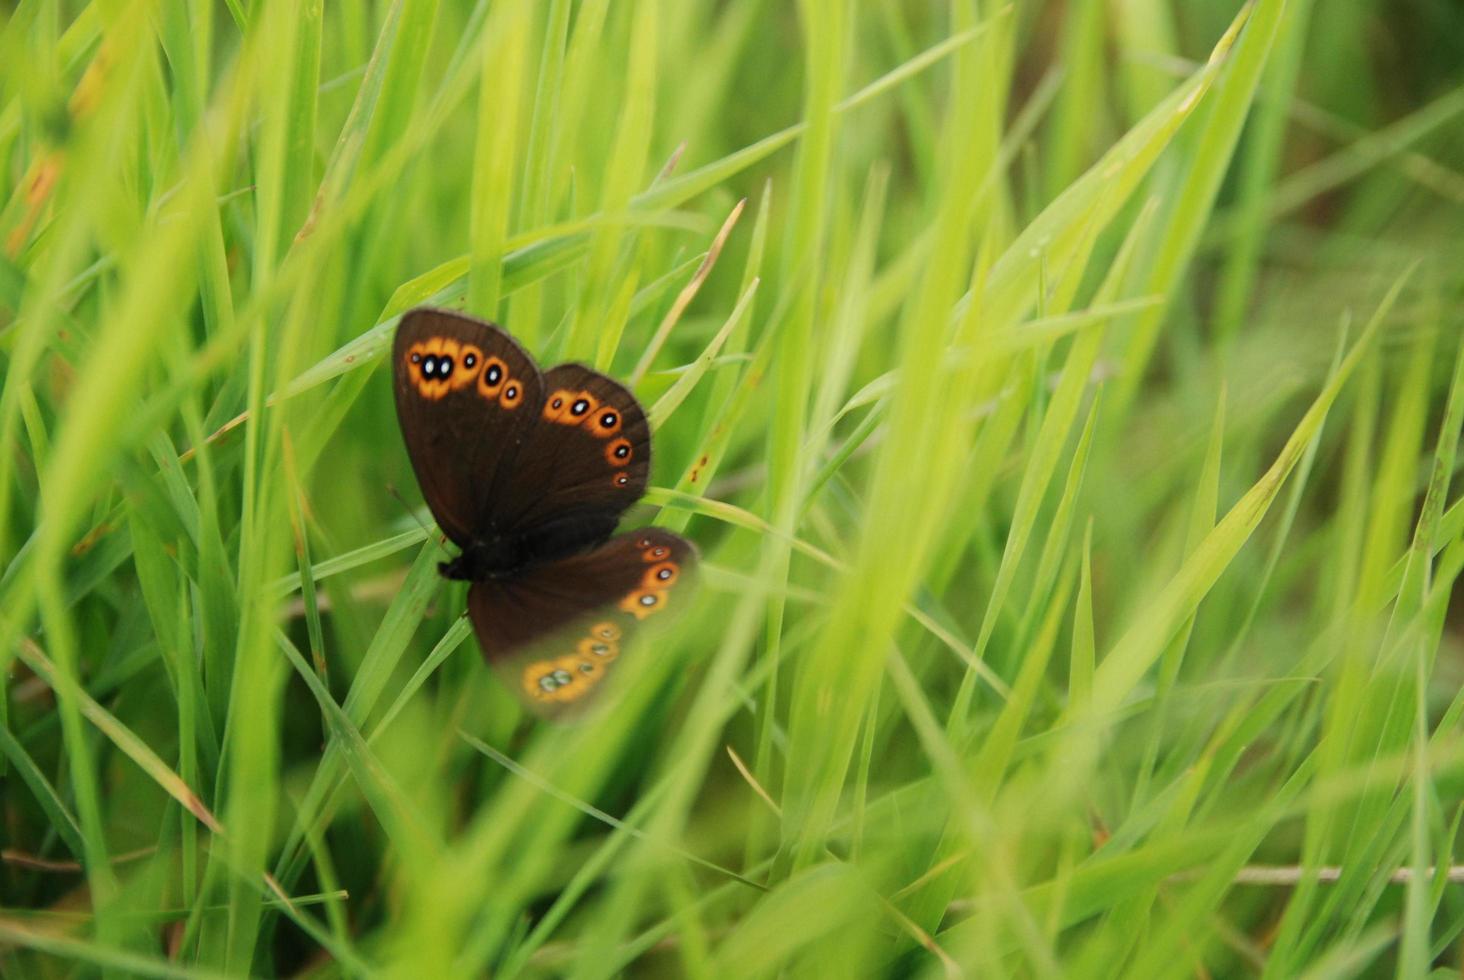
528, 473
482, 560
504, 556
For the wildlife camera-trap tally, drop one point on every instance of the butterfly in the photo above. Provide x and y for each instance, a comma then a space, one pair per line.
528, 473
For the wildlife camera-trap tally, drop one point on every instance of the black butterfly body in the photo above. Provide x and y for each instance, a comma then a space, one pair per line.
528, 473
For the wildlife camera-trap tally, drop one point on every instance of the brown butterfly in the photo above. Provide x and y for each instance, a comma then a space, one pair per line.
528, 473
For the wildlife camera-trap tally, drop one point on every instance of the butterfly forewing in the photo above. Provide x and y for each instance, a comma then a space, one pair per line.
466, 395
554, 632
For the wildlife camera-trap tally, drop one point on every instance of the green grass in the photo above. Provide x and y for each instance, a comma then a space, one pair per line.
1065, 397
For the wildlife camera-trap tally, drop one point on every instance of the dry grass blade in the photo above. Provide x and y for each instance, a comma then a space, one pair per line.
684, 298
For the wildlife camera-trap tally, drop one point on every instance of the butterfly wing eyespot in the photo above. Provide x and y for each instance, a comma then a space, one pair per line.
643, 602
552, 681
581, 680
556, 406
565, 679
513, 393
582, 407
430, 365
538, 680
619, 452
492, 377
606, 423
620, 480
599, 650
469, 364
656, 552
449, 362
660, 576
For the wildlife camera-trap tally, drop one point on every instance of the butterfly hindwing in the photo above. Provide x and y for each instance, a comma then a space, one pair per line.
553, 632
466, 395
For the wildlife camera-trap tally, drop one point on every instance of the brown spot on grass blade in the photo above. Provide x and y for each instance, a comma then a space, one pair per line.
92, 537
89, 89
218, 434
687, 294
38, 190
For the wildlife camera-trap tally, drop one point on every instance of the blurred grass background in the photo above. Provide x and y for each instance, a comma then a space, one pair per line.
1065, 396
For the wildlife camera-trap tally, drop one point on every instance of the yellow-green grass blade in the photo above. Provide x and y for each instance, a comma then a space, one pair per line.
72, 950
1136, 651
503, 49
1198, 185
377, 665
50, 801
594, 333
680, 189
689, 378
1259, 160
212, 217
1084, 657
1093, 200
822, 730
1053, 435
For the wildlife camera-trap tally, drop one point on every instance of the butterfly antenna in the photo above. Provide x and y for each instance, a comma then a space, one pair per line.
425, 529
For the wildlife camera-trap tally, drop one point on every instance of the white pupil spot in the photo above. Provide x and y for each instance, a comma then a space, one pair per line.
429, 366
469, 361
558, 402
608, 419
494, 374
580, 407
648, 600
622, 451
586, 668
416, 358
562, 677
600, 649
663, 574
512, 392
445, 366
